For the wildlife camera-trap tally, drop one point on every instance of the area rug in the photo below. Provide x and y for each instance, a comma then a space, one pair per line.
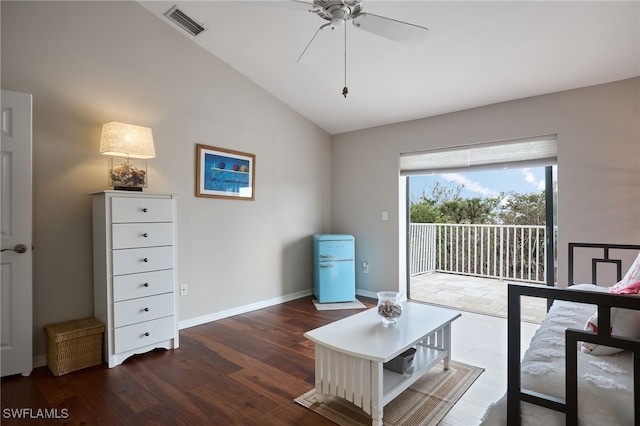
425, 403
356, 304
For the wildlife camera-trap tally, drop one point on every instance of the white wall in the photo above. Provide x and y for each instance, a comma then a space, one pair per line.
87, 63
598, 170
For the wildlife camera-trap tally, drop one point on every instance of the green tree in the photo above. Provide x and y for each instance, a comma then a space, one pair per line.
468, 210
444, 204
426, 208
523, 209
423, 212
439, 194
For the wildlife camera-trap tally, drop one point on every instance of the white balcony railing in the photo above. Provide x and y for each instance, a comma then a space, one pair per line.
494, 251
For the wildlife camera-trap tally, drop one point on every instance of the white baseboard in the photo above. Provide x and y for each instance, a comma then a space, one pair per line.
242, 309
369, 294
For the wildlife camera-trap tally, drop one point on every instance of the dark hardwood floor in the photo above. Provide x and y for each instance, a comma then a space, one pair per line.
245, 370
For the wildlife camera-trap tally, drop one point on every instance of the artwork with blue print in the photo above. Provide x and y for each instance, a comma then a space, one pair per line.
225, 173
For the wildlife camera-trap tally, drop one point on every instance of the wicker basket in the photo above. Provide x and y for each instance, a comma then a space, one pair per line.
73, 345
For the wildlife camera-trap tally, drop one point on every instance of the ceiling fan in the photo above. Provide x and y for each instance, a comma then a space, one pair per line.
338, 12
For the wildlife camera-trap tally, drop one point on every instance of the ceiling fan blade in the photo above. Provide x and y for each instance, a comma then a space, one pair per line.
288, 4
319, 40
402, 32
297, 4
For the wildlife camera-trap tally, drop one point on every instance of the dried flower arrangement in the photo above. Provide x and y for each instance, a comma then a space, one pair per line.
126, 174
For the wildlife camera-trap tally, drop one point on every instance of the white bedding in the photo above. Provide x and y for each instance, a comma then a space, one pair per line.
605, 383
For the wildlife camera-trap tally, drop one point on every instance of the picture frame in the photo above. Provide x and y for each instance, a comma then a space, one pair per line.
225, 173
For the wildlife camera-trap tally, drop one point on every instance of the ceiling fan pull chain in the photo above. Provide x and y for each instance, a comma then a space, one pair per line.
345, 90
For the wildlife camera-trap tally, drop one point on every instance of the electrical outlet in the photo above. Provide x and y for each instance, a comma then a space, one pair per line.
183, 289
365, 267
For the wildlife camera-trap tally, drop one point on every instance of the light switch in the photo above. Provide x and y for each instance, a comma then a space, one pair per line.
385, 216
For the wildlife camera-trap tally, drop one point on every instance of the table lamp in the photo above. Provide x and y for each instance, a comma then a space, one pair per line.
128, 141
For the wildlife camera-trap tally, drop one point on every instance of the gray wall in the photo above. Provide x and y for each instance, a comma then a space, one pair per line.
87, 63
598, 170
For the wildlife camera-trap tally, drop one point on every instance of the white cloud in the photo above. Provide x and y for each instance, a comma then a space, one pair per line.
469, 185
530, 178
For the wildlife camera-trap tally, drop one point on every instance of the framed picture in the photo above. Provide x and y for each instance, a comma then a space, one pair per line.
223, 173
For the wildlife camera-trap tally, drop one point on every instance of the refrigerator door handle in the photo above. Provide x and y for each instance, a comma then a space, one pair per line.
340, 260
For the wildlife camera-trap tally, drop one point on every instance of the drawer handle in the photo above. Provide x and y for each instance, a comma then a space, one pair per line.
145, 235
145, 285
147, 334
144, 210
146, 309
145, 260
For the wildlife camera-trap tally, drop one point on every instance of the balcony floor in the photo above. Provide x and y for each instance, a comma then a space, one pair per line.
472, 294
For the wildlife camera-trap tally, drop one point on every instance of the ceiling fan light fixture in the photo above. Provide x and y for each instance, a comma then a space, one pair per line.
338, 16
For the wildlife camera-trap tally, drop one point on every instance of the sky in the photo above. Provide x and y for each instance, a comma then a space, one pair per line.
483, 184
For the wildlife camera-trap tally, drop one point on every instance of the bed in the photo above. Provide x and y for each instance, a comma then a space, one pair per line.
583, 365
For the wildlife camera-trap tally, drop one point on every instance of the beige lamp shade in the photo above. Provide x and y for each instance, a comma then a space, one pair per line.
127, 140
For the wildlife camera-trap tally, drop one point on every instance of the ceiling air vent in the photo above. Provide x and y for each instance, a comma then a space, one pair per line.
184, 21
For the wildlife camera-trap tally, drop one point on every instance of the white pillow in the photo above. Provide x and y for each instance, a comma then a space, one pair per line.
624, 322
589, 287
629, 284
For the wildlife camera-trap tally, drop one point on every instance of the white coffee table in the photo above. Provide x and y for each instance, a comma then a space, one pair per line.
350, 354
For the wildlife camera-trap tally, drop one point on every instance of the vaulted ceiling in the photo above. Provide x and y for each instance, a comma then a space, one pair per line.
476, 53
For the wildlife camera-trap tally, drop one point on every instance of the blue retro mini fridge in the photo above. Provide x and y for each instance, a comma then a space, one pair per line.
334, 274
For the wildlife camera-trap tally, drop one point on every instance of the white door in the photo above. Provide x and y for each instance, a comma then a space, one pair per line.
16, 303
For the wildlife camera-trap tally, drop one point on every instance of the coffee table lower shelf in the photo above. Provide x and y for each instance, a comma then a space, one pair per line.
393, 384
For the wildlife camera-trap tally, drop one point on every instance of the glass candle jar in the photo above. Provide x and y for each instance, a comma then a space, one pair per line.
389, 306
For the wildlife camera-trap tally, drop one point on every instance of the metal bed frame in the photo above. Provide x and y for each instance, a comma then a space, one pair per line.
604, 302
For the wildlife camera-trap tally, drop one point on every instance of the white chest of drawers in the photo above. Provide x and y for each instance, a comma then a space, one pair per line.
134, 272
